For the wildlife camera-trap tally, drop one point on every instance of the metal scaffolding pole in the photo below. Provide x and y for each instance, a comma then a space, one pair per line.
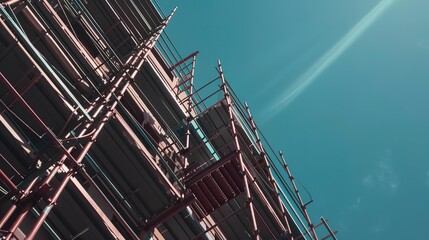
331, 233
234, 213
46, 69
187, 85
45, 33
192, 55
135, 63
10, 2
270, 176
120, 219
76, 44
6, 180
98, 51
161, 217
249, 199
24, 211
302, 205
264, 199
126, 78
107, 222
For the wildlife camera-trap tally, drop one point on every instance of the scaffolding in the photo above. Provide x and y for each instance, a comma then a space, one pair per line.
104, 134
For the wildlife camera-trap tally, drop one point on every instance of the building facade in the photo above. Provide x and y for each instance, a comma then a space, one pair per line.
104, 134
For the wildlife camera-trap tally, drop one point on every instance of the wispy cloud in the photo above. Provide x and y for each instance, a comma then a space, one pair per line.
383, 175
308, 77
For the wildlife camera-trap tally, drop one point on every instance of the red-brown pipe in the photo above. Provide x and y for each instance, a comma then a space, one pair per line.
6, 180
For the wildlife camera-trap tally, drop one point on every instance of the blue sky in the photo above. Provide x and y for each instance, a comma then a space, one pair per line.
341, 87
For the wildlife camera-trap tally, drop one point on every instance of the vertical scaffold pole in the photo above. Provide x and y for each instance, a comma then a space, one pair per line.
189, 111
11, 2
192, 74
303, 206
249, 199
270, 176
331, 233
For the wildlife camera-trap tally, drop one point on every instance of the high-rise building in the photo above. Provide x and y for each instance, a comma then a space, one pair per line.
104, 134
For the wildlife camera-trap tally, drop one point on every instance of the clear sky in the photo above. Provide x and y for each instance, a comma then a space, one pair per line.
342, 87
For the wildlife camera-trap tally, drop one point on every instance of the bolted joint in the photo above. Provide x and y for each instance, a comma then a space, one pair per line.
88, 120
18, 196
132, 67
79, 167
248, 201
59, 163
256, 232
287, 235
53, 204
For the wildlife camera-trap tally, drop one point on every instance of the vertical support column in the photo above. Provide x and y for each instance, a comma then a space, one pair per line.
270, 176
188, 135
303, 206
185, 82
189, 110
192, 73
249, 199
331, 233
